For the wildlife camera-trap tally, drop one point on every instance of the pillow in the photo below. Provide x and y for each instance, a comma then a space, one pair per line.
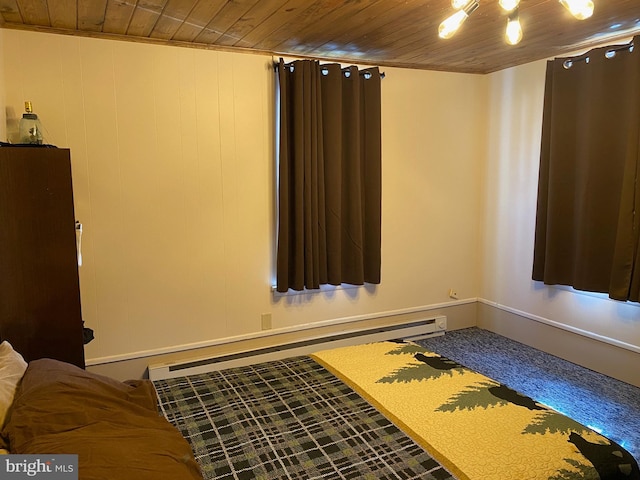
12, 367
113, 427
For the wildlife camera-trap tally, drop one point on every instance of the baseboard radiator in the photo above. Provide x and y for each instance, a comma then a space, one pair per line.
414, 330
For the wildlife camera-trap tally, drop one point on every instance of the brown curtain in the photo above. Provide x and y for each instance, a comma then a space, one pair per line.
587, 233
329, 195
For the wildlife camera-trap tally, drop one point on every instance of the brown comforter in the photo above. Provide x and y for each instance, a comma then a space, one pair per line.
113, 427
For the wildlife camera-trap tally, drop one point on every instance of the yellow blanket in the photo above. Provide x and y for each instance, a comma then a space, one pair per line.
477, 428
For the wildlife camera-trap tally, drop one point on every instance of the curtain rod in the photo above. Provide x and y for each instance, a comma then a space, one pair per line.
275, 68
610, 52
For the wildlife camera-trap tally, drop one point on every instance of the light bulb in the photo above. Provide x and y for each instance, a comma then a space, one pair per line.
580, 9
513, 34
451, 25
458, 4
508, 5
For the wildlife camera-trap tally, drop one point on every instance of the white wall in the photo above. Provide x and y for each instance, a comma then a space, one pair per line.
514, 119
173, 166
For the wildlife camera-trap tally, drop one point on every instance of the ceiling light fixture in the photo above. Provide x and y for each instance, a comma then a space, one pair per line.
451, 25
508, 5
513, 33
458, 4
580, 9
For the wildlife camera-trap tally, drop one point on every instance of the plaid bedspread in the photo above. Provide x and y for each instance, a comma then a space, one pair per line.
289, 419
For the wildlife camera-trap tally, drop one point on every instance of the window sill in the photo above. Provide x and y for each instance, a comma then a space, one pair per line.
323, 289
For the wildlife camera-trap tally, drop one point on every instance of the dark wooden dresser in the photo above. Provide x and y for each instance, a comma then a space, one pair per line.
40, 312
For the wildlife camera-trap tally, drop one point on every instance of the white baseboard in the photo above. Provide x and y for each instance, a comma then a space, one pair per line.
601, 354
569, 328
460, 314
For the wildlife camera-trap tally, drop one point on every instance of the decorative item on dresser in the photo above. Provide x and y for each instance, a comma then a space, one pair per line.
40, 310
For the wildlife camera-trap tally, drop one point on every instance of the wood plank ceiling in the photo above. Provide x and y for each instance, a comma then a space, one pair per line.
402, 33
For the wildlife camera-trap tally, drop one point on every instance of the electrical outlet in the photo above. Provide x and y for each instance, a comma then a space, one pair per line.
266, 321
453, 293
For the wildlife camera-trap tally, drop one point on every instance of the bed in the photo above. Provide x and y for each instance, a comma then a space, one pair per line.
378, 410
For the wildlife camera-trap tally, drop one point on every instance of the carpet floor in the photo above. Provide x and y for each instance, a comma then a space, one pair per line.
605, 404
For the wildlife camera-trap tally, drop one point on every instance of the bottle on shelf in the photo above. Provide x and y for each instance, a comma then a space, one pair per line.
30, 130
